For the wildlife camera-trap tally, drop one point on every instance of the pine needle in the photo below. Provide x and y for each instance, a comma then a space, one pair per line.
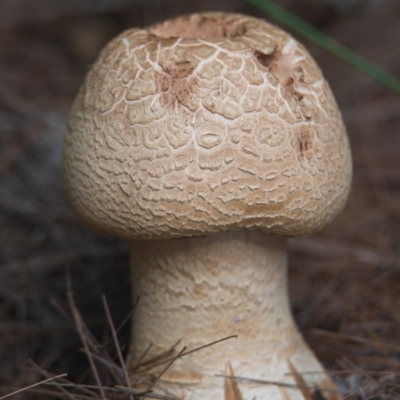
31, 386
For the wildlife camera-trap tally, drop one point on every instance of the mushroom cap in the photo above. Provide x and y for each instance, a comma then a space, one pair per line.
202, 124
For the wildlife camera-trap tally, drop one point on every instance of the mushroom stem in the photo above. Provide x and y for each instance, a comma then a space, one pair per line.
205, 288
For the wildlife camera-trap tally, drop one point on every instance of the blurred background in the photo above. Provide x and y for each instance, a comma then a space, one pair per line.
344, 281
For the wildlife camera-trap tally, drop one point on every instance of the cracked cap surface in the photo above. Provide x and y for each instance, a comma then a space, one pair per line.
202, 124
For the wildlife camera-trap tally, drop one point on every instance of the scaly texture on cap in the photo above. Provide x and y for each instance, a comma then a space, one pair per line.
202, 124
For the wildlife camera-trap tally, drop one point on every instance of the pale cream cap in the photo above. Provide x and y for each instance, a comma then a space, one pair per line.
206, 123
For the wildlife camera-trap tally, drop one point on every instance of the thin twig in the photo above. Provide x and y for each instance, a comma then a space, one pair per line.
164, 370
209, 344
79, 328
115, 389
55, 394
276, 383
106, 363
371, 382
144, 354
58, 384
152, 361
116, 343
129, 316
125, 320
347, 371
306, 391
354, 339
152, 395
196, 349
32, 386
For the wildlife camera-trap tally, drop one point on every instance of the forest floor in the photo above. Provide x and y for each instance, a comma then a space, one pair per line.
344, 281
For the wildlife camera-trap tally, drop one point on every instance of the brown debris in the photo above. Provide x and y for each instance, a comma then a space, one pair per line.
175, 83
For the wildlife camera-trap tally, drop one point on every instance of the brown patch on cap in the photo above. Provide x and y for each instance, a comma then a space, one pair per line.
306, 142
281, 67
266, 59
175, 84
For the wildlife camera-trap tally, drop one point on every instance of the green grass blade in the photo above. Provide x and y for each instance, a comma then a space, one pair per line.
327, 43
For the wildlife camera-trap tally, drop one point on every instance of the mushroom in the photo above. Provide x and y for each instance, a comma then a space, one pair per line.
208, 140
